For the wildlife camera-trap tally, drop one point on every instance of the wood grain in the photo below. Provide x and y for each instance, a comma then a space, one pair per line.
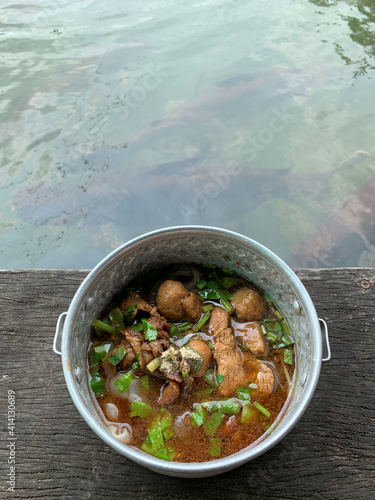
328, 455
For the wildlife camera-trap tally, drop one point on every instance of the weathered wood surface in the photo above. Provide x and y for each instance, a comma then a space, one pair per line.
328, 455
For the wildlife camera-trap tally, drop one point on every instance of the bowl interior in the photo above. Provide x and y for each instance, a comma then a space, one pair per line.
194, 245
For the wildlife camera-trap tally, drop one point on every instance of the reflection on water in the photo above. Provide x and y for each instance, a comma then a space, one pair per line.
256, 118
360, 19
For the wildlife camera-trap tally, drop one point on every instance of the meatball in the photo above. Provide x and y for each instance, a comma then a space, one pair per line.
203, 349
249, 304
175, 302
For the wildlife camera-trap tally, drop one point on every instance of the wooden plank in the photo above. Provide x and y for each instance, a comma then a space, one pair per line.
329, 454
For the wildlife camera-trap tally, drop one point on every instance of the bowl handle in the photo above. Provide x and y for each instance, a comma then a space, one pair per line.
58, 333
324, 330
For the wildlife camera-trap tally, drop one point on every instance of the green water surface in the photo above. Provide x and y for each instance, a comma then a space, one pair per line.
125, 117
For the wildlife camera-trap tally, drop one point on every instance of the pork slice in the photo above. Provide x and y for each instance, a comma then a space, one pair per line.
230, 365
154, 346
164, 343
135, 299
135, 340
158, 321
250, 335
169, 393
220, 320
267, 377
239, 368
130, 357
147, 357
161, 324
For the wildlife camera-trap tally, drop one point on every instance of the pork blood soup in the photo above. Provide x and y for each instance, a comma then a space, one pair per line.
190, 363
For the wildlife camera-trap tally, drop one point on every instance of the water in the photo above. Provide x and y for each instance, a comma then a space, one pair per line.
253, 116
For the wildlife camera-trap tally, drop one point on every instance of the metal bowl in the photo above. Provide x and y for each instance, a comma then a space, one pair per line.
192, 244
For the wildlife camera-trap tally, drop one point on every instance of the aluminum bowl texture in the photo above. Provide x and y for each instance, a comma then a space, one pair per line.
200, 245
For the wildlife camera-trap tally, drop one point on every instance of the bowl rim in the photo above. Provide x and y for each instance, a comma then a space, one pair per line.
220, 465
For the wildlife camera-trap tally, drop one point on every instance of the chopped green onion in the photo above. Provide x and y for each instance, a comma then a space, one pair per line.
278, 315
272, 337
210, 345
151, 332
158, 430
228, 306
97, 385
154, 364
244, 393
174, 331
201, 284
118, 355
267, 298
140, 409
135, 365
220, 378
165, 418
210, 378
215, 294
288, 357
185, 375
204, 393
215, 447
117, 319
179, 328
202, 321
102, 327
168, 434
285, 328
138, 327
226, 270
145, 383
99, 352
184, 326
242, 347
211, 425
207, 307
212, 285
163, 452
198, 416
261, 408
229, 282
285, 341
273, 326
128, 313
122, 383
209, 266
216, 277
228, 407
248, 414
156, 435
